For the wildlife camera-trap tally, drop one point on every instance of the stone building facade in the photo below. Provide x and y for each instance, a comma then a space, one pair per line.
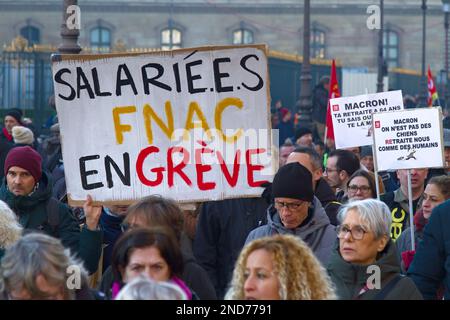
339, 27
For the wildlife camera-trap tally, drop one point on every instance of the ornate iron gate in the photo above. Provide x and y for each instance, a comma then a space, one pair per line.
26, 80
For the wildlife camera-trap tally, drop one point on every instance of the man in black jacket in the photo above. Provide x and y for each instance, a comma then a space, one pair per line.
28, 192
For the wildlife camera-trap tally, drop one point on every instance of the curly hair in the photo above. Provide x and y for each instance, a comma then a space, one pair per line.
300, 274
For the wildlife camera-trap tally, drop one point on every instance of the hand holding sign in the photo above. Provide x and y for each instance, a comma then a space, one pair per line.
92, 213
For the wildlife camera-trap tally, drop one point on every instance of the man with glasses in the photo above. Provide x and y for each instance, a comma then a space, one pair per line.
311, 160
340, 166
298, 212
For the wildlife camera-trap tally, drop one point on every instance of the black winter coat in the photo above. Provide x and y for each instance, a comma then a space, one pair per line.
431, 265
223, 227
350, 278
32, 213
328, 200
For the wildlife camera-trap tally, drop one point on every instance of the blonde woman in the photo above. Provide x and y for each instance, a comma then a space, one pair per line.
10, 229
281, 267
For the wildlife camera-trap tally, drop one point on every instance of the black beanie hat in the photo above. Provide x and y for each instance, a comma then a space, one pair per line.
301, 132
293, 181
16, 114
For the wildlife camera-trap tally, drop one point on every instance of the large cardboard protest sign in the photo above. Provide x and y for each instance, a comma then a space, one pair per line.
191, 124
408, 139
352, 116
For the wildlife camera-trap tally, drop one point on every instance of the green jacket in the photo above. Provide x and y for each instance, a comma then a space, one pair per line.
32, 213
350, 278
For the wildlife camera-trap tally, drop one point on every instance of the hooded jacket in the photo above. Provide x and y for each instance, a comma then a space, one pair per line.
317, 233
350, 278
32, 213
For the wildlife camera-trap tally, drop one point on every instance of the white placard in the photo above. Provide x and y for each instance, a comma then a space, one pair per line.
352, 116
408, 139
171, 123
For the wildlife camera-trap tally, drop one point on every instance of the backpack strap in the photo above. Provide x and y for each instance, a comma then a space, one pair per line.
388, 288
53, 215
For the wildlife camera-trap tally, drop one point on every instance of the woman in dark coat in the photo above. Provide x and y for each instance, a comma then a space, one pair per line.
364, 264
156, 211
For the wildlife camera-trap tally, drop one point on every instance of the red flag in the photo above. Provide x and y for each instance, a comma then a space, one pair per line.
334, 93
432, 93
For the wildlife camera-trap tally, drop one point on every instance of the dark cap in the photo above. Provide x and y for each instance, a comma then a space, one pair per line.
293, 181
16, 114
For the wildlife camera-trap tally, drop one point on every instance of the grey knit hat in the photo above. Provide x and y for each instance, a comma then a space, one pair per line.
22, 135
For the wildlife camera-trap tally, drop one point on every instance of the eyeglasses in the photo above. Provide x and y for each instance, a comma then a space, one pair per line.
331, 170
357, 232
290, 206
355, 188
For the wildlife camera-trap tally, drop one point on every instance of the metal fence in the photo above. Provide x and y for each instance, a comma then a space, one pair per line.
284, 73
26, 80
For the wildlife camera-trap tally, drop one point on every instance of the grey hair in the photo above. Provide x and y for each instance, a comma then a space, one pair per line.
10, 228
313, 155
373, 212
144, 288
38, 254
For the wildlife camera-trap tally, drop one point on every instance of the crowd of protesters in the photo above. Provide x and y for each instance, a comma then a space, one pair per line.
317, 232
